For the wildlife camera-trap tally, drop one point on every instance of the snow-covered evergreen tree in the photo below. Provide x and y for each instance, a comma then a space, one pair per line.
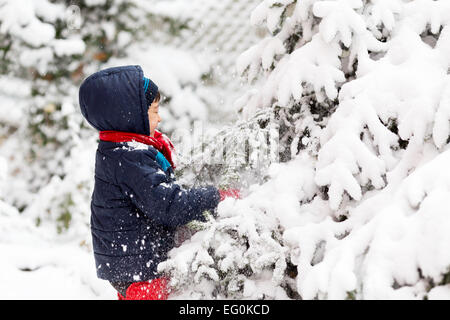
359, 90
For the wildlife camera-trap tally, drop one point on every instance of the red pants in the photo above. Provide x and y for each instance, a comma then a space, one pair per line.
155, 289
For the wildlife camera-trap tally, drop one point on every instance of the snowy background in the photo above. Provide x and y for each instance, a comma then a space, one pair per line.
343, 109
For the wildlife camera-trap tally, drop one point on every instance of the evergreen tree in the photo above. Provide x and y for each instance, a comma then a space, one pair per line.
359, 92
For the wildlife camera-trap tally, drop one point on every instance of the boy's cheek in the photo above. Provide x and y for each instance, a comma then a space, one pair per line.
153, 125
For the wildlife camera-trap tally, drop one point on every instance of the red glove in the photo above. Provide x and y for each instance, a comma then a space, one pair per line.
232, 193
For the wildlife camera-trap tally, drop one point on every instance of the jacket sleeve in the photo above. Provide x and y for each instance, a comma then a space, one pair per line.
163, 200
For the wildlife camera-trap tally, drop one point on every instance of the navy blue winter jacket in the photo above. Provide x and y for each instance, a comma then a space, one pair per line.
136, 205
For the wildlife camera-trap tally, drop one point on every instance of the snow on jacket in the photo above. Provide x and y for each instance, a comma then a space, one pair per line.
136, 205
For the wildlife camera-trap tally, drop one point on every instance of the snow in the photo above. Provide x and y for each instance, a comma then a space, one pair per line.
134, 145
28, 27
95, 2
359, 211
36, 268
339, 19
440, 293
68, 47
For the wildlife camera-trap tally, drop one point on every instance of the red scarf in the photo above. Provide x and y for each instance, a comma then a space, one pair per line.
165, 146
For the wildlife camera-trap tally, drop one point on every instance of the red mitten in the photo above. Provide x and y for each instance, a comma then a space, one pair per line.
232, 193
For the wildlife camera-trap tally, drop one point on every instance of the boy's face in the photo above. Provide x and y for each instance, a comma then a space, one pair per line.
153, 117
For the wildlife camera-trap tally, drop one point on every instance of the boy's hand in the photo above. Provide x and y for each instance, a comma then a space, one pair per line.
197, 225
209, 216
229, 193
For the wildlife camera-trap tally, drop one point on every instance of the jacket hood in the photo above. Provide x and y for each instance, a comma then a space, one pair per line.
114, 99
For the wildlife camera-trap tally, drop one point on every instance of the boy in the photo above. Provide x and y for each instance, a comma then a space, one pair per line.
136, 204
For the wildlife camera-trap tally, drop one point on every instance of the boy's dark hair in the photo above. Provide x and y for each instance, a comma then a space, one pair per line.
157, 97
